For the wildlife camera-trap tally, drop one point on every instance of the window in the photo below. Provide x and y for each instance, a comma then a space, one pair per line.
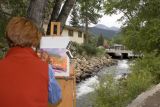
79, 34
55, 29
70, 32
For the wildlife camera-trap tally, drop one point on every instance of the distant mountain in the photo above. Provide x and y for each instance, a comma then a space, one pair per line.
114, 28
108, 32
100, 26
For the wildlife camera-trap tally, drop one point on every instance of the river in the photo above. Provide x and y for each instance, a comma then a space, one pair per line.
86, 88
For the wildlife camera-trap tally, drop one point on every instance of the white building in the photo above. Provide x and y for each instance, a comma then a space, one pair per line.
118, 46
75, 34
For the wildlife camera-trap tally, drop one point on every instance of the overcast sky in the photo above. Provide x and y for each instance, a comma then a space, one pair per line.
108, 21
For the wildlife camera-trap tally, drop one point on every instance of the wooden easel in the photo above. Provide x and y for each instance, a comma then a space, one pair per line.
68, 84
55, 29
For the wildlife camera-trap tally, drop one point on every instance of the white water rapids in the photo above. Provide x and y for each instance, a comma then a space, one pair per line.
88, 86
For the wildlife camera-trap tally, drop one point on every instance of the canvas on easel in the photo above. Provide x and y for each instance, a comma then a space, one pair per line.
56, 47
53, 50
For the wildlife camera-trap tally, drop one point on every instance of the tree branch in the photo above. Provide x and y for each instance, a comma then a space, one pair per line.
5, 13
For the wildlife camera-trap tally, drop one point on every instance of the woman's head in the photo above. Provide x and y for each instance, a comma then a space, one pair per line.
22, 32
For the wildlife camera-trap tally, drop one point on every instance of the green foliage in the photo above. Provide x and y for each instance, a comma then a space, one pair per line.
109, 93
141, 30
8, 9
1, 55
48, 9
76, 49
87, 49
150, 63
92, 40
3, 22
3, 51
141, 33
101, 51
74, 16
2, 27
14, 7
137, 83
144, 39
100, 41
90, 10
117, 39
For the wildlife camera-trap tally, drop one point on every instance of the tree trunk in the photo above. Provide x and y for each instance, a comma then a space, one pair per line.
63, 15
65, 11
55, 13
35, 11
86, 23
86, 29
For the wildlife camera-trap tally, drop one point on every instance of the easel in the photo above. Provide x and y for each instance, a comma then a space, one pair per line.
68, 84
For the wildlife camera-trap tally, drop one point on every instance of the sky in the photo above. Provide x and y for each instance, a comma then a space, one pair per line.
107, 20
110, 21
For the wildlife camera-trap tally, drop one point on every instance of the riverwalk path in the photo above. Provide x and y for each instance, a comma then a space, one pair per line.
150, 98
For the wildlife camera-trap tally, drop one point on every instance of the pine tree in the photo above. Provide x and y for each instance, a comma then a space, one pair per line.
74, 17
90, 12
100, 41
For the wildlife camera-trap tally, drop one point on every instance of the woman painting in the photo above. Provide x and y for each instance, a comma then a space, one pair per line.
25, 80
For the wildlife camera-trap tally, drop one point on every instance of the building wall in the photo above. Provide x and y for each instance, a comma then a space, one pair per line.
73, 38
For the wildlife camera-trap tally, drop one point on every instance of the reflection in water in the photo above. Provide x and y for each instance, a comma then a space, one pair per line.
86, 87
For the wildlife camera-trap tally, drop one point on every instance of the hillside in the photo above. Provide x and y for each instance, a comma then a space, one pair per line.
104, 30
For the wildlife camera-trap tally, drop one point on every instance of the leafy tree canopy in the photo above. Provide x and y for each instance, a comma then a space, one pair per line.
74, 16
91, 10
141, 18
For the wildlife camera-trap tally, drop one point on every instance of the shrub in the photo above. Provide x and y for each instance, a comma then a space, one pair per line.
101, 51
87, 49
149, 63
138, 82
110, 93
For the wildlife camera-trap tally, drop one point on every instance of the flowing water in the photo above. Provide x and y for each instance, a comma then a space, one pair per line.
86, 88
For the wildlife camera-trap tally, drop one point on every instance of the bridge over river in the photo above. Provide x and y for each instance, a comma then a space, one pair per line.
121, 53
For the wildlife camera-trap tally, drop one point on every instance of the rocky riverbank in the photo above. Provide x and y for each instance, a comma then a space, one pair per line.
86, 67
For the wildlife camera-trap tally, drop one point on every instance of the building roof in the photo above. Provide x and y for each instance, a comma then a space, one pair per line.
73, 28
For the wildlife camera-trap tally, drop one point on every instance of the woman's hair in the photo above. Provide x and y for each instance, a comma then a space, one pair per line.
20, 31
